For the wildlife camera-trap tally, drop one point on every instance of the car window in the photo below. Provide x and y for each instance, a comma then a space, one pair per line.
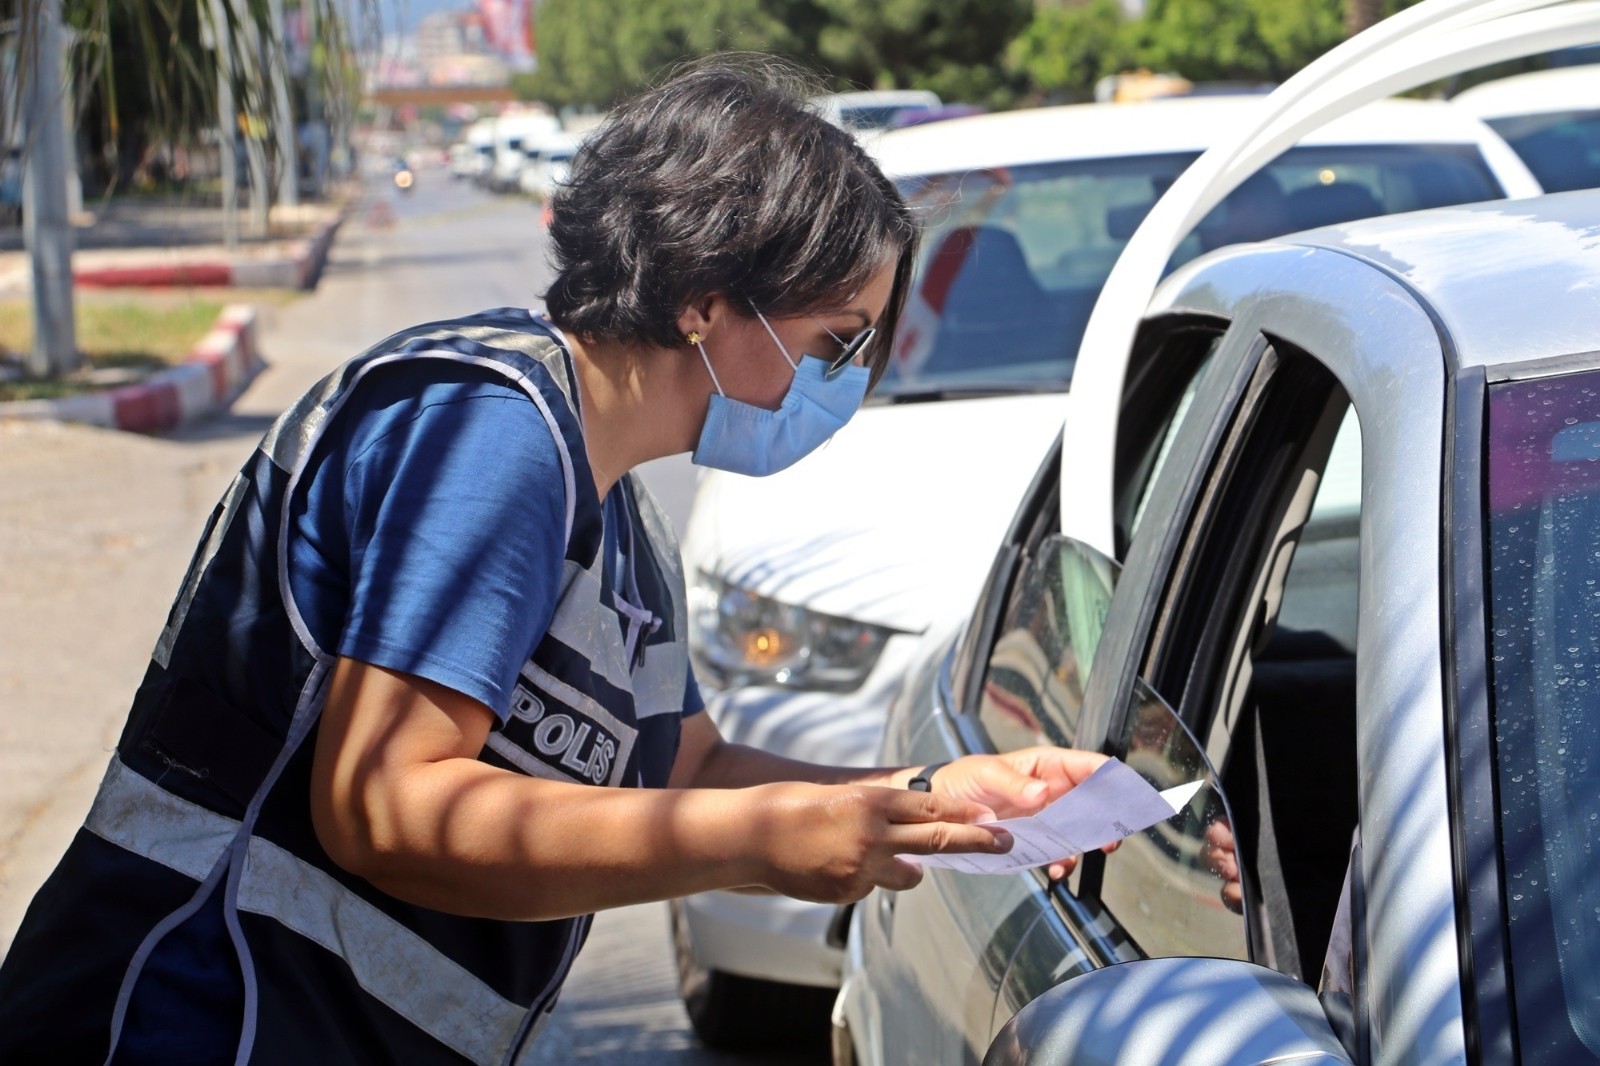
1013, 258
1032, 688
1158, 393
1544, 659
1562, 148
1169, 886
1255, 645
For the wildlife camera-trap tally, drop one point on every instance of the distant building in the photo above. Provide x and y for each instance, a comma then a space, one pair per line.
458, 48
451, 34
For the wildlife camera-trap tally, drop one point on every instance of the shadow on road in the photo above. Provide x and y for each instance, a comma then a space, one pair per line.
223, 427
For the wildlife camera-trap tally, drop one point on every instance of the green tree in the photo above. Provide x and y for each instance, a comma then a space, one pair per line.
598, 51
953, 47
144, 75
1244, 40
1065, 50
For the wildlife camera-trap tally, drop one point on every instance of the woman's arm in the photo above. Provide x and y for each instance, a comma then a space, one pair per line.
399, 797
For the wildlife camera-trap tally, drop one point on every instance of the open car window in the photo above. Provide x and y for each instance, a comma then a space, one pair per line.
1173, 889
1253, 641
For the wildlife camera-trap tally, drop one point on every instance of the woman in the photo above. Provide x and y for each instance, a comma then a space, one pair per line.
354, 815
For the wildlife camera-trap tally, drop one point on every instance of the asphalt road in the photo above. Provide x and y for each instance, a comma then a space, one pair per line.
96, 529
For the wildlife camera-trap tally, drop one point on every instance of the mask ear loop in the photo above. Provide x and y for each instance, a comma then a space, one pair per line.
707, 360
786, 357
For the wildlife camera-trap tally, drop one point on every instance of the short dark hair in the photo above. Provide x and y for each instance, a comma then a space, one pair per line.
723, 180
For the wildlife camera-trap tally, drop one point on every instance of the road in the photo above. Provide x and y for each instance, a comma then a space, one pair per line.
96, 529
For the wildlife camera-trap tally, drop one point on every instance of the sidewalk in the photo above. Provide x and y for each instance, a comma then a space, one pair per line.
181, 241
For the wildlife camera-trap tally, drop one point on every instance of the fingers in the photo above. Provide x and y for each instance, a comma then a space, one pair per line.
1060, 871
939, 838
1062, 767
1004, 787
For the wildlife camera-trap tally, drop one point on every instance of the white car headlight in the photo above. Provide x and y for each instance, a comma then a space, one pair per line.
740, 638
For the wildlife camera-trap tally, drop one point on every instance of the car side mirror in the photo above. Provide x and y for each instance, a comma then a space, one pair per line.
1171, 1012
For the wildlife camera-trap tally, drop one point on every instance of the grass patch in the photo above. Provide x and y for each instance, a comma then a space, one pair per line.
122, 338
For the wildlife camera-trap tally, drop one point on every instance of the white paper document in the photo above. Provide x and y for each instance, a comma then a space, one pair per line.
1114, 803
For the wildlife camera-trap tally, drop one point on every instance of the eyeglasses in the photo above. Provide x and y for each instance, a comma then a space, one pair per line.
850, 350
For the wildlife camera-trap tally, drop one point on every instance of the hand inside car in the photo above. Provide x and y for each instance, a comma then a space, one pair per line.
1221, 856
1021, 782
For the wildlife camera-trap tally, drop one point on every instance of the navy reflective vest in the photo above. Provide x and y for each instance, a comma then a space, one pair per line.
201, 833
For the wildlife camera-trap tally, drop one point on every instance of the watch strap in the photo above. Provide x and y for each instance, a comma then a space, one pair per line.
922, 780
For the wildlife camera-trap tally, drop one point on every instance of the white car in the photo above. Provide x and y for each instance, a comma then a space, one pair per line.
478, 160
808, 589
874, 110
549, 157
1550, 117
512, 133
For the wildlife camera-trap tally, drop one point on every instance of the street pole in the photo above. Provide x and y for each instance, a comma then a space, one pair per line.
227, 121
47, 227
283, 114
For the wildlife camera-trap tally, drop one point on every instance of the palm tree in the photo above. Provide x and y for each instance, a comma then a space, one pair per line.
150, 75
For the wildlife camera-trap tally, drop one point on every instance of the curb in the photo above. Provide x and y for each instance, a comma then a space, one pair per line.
298, 270
218, 368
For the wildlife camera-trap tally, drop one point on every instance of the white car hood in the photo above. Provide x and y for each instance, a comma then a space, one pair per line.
895, 521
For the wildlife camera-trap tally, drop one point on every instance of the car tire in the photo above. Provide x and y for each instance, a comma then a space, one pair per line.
729, 1012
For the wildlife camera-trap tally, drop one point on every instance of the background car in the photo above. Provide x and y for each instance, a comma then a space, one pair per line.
1360, 498
874, 109
1551, 118
809, 589
512, 133
547, 157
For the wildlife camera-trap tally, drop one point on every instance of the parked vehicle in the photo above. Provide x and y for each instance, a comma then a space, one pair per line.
473, 156
851, 555
463, 160
1550, 117
1357, 481
512, 133
875, 110
547, 157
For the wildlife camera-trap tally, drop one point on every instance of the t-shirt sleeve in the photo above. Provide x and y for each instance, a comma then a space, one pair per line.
693, 701
456, 518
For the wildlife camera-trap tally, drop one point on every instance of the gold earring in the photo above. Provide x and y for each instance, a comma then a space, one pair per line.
694, 336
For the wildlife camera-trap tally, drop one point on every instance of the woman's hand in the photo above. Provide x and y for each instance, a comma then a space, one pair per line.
1020, 782
835, 843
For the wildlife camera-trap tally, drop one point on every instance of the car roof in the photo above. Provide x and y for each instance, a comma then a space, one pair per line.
1097, 131
1508, 280
878, 97
1541, 92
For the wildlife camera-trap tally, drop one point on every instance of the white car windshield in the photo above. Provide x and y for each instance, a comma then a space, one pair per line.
1562, 148
1013, 258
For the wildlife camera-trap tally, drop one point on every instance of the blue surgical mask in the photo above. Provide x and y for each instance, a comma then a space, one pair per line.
746, 439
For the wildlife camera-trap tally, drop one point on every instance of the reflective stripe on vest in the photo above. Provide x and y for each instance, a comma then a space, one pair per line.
395, 966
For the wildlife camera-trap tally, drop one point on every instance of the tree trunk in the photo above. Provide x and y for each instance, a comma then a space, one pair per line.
1361, 14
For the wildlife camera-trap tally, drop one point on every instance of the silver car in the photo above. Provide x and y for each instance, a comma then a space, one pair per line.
1358, 503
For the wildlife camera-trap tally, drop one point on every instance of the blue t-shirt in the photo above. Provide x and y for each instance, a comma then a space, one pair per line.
430, 536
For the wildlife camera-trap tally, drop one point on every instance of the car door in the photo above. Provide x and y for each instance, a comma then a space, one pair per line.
1228, 655
936, 956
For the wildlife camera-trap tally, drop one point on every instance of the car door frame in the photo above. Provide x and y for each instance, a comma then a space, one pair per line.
1391, 356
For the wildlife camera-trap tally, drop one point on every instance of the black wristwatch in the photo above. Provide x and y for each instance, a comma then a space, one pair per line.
922, 781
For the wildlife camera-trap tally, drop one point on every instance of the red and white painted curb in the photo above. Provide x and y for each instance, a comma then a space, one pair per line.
299, 269
217, 370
